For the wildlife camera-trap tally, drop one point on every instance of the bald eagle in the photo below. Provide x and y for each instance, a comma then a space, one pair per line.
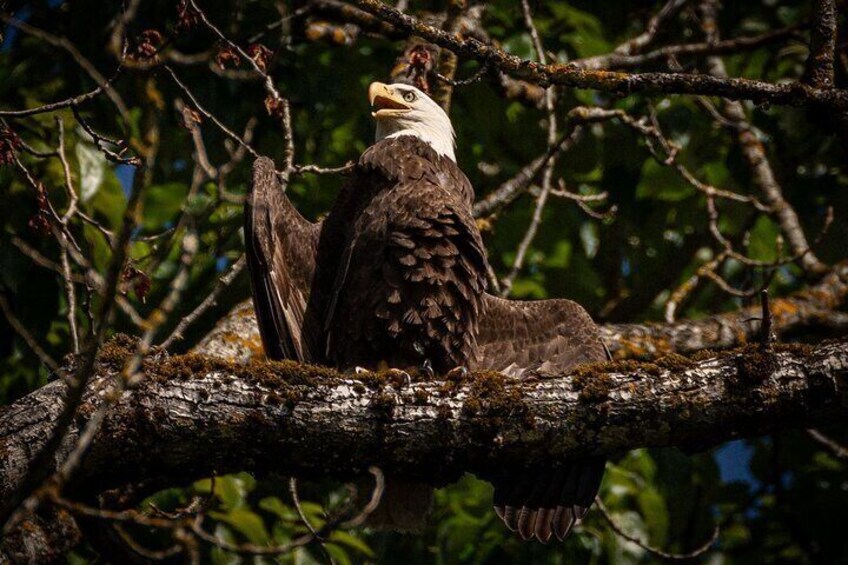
396, 275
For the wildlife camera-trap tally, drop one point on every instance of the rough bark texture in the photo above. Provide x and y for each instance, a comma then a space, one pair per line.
820, 64
813, 310
192, 416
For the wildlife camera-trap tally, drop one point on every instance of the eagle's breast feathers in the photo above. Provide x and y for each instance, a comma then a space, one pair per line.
415, 272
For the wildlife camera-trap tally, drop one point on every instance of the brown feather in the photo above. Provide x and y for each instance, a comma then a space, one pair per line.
281, 249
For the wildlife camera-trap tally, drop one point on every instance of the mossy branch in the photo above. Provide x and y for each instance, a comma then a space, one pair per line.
192, 415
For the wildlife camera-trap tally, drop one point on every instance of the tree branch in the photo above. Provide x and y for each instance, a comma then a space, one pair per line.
762, 174
192, 416
814, 309
796, 94
820, 64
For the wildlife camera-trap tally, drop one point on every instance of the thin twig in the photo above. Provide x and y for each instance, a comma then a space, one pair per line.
548, 170
766, 335
649, 83
28, 338
279, 105
21, 499
211, 299
702, 549
837, 449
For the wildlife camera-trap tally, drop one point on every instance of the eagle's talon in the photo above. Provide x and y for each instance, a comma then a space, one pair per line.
427, 369
460, 372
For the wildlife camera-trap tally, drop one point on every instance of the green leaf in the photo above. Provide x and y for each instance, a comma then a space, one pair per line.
277, 507
587, 33
561, 255
231, 490
246, 522
662, 183
338, 554
347, 539
763, 242
92, 166
162, 202
108, 201
520, 45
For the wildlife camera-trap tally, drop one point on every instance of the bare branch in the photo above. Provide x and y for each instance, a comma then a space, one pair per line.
668, 12
755, 154
548, 168
796, 94
702, 549
820, 64
621, 61
838, 450
20, 500
103, 83
28, 338
223, 283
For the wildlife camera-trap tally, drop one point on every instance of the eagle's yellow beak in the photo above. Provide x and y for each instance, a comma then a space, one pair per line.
385, 103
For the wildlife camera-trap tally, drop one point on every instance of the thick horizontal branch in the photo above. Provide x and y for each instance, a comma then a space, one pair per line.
796, 93
192, 416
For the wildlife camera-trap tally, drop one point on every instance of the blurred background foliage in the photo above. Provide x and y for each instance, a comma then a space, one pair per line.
778, 499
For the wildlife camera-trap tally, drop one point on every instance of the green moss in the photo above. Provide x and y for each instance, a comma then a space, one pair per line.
703, 355
115, 353
493, 398
755, 363
421, 396
675, 362
382, 403
800, 349
592, 381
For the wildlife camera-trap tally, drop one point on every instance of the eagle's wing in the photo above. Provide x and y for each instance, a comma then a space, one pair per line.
281, 247
541, 337
544, 338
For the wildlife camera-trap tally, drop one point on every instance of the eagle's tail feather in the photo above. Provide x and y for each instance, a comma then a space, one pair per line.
543, 504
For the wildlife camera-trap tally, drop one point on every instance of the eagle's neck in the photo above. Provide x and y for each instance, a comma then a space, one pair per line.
439, 136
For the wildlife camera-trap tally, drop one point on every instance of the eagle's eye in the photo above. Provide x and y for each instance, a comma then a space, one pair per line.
409, 97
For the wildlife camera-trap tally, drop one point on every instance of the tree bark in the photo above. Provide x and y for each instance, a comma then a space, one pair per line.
192, 416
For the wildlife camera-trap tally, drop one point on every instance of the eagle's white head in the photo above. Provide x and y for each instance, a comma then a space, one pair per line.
401, 109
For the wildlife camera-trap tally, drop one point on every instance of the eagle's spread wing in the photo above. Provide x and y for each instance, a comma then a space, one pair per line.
543, 338
281, 247
539, 337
